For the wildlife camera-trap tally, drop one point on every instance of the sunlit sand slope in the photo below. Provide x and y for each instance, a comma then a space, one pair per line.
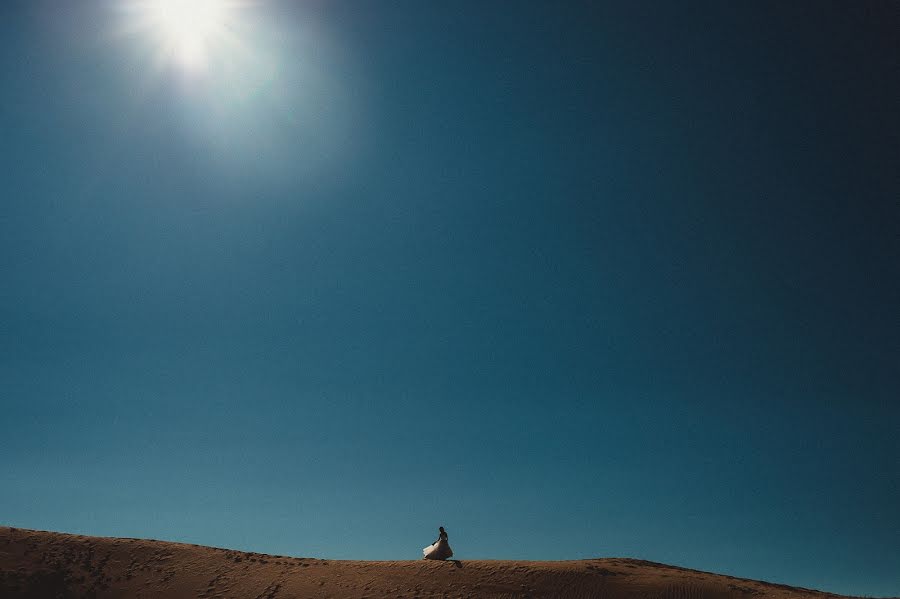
49, 565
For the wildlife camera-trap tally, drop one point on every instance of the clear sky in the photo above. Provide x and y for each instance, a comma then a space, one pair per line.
572, 279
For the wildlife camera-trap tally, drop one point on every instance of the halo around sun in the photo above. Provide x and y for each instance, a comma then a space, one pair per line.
244, 78
187, 33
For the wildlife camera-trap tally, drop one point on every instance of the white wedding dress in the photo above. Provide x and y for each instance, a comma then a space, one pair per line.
440, 549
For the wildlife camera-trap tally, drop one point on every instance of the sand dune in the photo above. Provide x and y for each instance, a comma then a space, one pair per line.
49, 565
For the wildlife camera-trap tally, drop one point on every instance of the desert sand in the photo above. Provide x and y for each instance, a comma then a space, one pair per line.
48, 565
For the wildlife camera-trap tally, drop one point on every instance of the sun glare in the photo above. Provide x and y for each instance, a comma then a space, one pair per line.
187, 31
242, 77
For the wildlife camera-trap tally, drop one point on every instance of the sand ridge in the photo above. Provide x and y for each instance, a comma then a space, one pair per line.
38, 564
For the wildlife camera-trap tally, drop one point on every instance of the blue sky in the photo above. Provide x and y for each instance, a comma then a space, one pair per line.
572, 281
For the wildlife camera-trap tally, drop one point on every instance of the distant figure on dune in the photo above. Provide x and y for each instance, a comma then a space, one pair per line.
440, 549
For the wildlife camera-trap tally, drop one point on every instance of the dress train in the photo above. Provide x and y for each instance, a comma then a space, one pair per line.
438, 550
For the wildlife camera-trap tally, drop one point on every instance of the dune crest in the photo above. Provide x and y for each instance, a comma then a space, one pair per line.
55, 565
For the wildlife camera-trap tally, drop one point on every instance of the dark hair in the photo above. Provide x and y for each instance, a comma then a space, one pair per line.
441, 527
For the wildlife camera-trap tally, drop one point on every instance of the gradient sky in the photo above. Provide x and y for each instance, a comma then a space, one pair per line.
570, 279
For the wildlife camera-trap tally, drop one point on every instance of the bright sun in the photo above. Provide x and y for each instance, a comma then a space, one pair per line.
188, 31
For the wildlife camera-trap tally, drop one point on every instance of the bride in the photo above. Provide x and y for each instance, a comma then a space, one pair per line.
440, 549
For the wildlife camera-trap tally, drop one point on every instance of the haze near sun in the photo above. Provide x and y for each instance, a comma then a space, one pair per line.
188, 32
